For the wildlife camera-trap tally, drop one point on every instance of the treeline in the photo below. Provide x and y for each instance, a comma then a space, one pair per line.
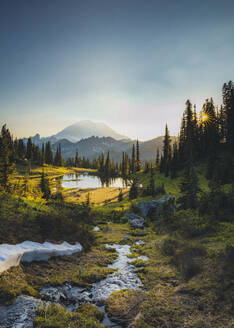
208, 139
18, 152
127, 167
106, 167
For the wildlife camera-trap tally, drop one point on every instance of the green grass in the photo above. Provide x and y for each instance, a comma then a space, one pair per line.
55, 316
172, 186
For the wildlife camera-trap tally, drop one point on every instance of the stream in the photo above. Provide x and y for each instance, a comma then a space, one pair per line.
22, 312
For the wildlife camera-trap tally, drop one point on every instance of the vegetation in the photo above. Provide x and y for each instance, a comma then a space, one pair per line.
56, 316
188, 277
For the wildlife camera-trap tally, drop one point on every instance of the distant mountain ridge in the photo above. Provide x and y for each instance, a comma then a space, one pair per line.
94, 146
91, 139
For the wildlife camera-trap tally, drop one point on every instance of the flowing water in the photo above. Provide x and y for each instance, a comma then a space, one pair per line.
21, 314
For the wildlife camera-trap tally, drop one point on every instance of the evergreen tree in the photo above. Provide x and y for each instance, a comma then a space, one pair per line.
228, 100
77, 160
157, 162
21, 149
43, 154
166, 158
146, 167
133, 192
87, 202
138, 161
151, 189
174, 161
29, 151
48, 154
107, 164
133, 160
189, 188
6, 164
45, 186
120, 196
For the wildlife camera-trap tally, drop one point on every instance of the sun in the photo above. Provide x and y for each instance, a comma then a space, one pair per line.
204, 118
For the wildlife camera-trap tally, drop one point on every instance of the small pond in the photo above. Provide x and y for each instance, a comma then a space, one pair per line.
83, 181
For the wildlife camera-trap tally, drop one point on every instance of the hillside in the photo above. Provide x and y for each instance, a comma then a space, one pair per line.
92, 147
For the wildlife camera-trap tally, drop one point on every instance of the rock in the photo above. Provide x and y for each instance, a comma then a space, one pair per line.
21, 313
136, 221
126, 239
142, 233
52, 294
157, 206
66, 294
140, 242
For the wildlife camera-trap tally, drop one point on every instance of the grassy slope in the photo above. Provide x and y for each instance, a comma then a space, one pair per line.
171, 299
172, 186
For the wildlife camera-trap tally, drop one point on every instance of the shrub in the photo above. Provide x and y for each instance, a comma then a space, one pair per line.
188, 260
169, 246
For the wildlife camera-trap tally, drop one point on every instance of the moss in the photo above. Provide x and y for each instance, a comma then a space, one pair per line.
80, 269
90, 311
56, 316
12, 283
123, 305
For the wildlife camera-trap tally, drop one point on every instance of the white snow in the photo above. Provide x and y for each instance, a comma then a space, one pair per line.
28, 251
96, 229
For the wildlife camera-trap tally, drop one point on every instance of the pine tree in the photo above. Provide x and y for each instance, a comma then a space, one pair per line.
21, 149
157, 162
133, 160
45, 186
120, 196
166, 158
87, 202
29, 152
56, 158
43, 154
133, 192
189, 188
151, 188
77, 160
6, 164
48, 154
175, 161
107, 164
138, 161
228, 100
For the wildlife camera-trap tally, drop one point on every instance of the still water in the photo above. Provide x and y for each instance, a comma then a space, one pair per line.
82, 181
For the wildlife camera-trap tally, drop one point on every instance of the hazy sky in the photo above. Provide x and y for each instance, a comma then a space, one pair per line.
129, 63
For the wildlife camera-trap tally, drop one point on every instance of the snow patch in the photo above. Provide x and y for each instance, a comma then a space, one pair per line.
28, 251
96, 229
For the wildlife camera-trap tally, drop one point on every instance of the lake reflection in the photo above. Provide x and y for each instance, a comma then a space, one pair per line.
83, 181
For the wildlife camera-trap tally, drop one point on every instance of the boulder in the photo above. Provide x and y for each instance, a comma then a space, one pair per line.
136, 221
157, 206
126, 239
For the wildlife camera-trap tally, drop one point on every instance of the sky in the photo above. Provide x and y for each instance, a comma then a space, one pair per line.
129, 63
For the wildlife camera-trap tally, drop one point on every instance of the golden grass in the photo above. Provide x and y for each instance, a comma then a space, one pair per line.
98, 196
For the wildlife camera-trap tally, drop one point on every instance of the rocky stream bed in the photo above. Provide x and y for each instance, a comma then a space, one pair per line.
22, 312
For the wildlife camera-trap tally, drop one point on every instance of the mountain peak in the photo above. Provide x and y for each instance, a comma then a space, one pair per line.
85, 129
